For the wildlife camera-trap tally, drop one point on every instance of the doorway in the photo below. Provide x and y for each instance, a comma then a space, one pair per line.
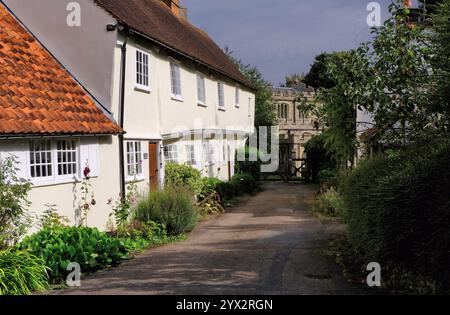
153, 166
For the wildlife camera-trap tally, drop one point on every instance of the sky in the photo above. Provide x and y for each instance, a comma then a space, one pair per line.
282, 37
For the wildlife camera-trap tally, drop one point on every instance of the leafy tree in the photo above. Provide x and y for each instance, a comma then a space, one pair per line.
439, 85
401, 77
335, 107
293, 80
265, 113
13, 203
318, 76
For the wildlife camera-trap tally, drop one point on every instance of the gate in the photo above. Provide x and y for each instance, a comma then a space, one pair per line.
292, 166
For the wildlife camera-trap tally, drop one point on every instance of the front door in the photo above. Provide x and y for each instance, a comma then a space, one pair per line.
154, 168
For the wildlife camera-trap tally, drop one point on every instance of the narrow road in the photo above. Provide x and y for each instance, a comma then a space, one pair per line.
269, 244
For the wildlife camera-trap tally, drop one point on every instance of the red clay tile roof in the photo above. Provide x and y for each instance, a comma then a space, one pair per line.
155, 19
37, 96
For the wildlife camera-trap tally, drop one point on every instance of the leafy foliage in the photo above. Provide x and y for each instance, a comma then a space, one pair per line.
244, 184
174, 207
51, 218
209, 186
179, 175
398, 210
334, 108
329, 204
318, 76
21, 273
13, 203
122, 208
293, 80
318, 157
59, 246
438, 88
248, 166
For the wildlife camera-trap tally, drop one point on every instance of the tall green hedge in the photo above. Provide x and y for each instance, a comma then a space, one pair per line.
398, 211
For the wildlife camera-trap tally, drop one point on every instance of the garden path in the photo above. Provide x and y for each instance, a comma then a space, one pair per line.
268, 244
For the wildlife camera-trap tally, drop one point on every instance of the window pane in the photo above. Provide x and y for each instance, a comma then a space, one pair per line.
40, 159
66, 157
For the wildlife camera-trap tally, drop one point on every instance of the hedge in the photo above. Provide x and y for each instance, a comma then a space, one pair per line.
398, 212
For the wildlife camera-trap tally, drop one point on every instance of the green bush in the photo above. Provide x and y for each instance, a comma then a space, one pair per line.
21, 273
60, 246
244, 184
13, 203
249, 167
398, 211
173, 207
183, 175
209, 187
330, 204
226, 190
318, 157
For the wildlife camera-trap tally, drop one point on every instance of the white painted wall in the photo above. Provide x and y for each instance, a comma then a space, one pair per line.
67, 196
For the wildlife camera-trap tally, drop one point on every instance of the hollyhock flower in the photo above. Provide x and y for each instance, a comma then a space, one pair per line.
86, 171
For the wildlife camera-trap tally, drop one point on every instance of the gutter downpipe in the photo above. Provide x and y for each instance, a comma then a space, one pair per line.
122, 114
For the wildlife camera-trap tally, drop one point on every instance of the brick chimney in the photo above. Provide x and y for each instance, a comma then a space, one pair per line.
407, 3
174, 5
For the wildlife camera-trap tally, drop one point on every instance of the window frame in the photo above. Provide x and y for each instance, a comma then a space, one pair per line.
54, 162
191, 158
175, 77
136, 155
144, 76
201, 89
237, 96
168, 152
221, 95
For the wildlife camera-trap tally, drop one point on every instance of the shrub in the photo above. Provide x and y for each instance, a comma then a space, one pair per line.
244, 184
173, 207
21, 273
226, 191
138, 236
13, 203
329, 203
60, 246
51, 218
249, 167
209, 187
183, 175
398, 211
318, 157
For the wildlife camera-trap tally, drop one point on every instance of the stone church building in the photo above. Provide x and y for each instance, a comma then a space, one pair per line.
296, 129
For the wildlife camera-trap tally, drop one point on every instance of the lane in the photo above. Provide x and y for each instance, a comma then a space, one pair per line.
269, 244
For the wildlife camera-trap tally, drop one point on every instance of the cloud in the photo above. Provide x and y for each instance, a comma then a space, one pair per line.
282, 37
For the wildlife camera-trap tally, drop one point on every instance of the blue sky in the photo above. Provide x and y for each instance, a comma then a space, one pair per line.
283, 37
